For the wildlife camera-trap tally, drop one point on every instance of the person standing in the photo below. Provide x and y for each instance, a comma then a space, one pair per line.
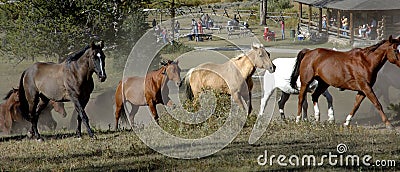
345, 25
283, 29
324, 20
154, 23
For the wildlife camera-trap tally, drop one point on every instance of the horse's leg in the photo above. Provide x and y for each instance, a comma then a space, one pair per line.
329, 99
44, 101
372, 97
305, 110
152, 106
132, 114
33, 104
236, 97
322, 86
7, 117
250, 85
302, 95
119, 107
263, 102
249, 104
268, 87
82, 117
281, 103
359, 98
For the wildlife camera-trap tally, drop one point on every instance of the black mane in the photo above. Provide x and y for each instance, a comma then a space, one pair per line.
77, 55
9, 94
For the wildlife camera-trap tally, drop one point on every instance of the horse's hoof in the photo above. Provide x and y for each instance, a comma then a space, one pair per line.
40, 139
30, 135
389, 127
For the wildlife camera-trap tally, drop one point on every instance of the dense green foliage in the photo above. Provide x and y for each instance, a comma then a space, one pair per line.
55, 28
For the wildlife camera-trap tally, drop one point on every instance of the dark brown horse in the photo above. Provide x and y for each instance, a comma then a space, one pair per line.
68, 81
146, 91
354, 70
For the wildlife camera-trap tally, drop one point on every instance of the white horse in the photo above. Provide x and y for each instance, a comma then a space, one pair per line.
280, 79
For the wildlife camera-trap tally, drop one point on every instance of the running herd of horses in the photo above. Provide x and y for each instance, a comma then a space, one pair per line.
46, 85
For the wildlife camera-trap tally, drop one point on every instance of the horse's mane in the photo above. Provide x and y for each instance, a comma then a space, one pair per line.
9, 94
376, 46
77, 55
238, 57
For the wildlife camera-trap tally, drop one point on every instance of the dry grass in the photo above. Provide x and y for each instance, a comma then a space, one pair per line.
125, 151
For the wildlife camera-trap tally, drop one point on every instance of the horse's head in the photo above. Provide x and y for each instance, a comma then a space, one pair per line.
173, 71
97, 60
12, 95
393, 51
59, 107
261, 58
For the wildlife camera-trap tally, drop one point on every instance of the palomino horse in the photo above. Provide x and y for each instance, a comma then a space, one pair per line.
68, 81
281, 79
237, 72
146, 91
354, 70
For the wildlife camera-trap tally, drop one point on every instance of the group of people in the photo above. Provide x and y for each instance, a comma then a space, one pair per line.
366, 30
163, 33
198, 26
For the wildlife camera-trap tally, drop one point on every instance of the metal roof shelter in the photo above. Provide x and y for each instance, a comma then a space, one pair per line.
358, 11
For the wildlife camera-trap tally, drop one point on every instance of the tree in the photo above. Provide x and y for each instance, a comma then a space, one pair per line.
56, 27
263, 12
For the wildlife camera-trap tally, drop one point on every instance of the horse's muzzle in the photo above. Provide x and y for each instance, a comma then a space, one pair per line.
271, 69
102, 78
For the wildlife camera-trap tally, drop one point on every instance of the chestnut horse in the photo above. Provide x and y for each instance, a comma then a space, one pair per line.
7, 109
355, 70
11, 118
237, 72
70, 80
146, 91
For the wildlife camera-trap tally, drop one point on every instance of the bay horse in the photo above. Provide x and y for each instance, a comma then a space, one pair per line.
355, 70
280, 79
70, 80
232, 77
149, 90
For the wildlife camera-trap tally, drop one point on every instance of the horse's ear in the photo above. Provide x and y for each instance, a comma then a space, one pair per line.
101, 44
390, 39
176, 61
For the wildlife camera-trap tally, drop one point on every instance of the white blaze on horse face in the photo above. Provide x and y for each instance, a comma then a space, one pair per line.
101, 64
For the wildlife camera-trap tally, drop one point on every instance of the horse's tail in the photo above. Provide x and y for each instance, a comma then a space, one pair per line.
189, 92
120, 106
296, 69
24, 106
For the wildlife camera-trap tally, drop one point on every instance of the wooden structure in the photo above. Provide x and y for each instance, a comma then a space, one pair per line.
384, 13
